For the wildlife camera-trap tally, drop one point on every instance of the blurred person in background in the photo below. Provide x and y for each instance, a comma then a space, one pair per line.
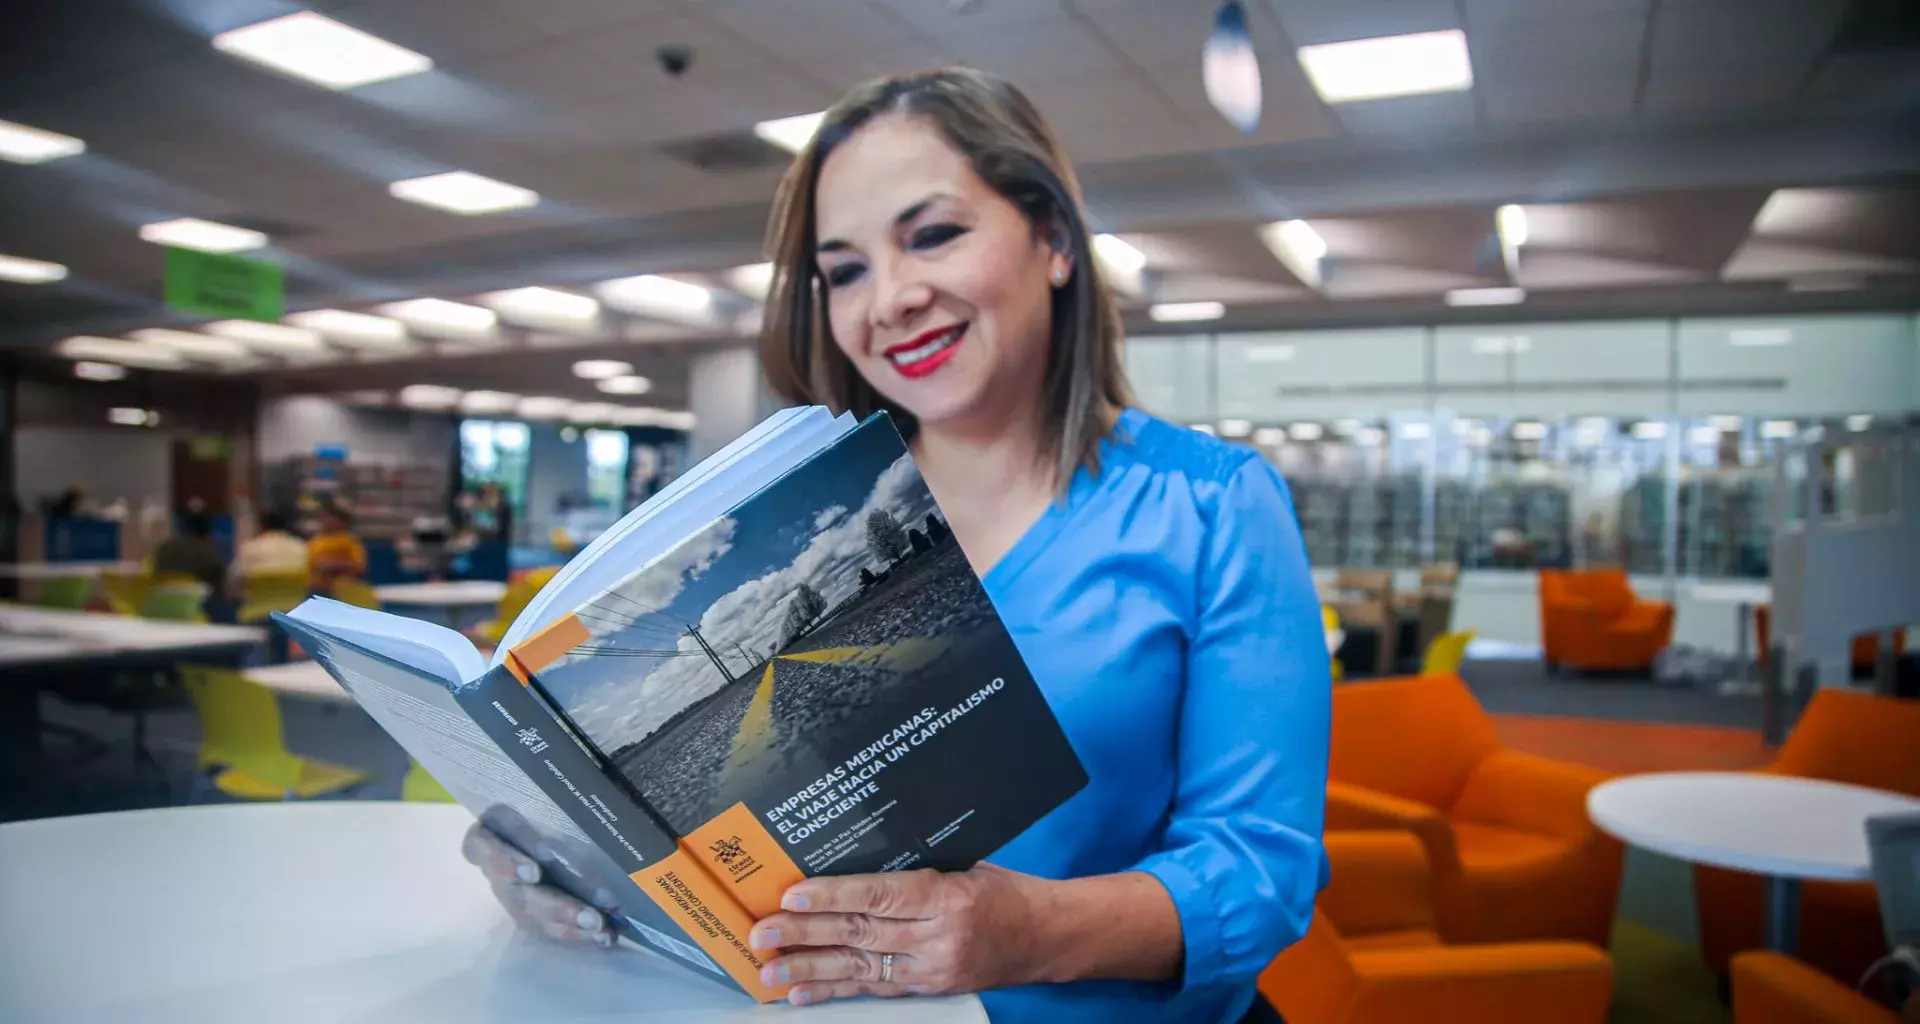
274, 551
335, 553
1153, 578
190, 551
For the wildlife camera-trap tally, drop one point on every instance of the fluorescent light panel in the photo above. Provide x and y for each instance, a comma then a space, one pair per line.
429, 396
1486, 296
543, 304
1235, 428
1306, 431
1779, 430
1298, 247
26, 271
1118, 253
790, 133
1528, 430
626, 384
1270, 436
1649, 430
118, 350
277, 339
483, 403
592, 412
127, 416
1184, 312
354, 330
651, 293
1373, 69
463, 192
601, 369
86, 370
754, 280
194, 345
443, 317
22, 144
320, 50
203, 235
541, 407
1859, 421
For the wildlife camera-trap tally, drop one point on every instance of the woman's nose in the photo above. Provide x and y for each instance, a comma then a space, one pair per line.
898, 297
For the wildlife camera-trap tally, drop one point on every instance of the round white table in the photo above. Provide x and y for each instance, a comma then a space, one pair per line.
446, 594
1784, 828
296, 913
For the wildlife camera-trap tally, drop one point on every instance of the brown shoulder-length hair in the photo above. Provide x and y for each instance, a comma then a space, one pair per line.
1011, 147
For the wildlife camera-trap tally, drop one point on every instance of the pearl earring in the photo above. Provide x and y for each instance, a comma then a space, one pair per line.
1059, 278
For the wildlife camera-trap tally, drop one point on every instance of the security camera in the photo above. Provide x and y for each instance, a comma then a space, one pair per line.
674, 59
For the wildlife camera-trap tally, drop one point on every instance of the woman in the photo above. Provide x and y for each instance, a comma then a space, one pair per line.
932, 260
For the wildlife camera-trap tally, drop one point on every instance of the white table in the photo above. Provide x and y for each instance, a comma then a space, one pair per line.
1784, 828
320, 912
41, 571
448, 594
1744, 597
305, 679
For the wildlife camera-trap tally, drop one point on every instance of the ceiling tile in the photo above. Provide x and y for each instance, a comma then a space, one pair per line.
1161, 33
1309, 22
940, 19
1756, 34
443, 30
810, 28
1532, 50
1430, 115
564, 17
1036, 52
1519, 101
1482, 13
1110, 116
1548, 271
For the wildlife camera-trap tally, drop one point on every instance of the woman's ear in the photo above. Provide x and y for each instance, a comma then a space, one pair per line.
1060, 256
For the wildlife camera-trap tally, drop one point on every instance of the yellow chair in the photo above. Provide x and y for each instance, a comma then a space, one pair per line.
561, 541
126, 592
420, 787
1330, 621
172, 602
355, 592
266, 593
520, 593
1446, 652
242, 745
68, 593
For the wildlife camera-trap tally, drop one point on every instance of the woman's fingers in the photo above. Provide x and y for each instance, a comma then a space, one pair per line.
497, 858
861, 931
838, 963
554, 914
821, 991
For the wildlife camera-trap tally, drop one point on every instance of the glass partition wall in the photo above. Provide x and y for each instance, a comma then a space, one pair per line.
1646, 444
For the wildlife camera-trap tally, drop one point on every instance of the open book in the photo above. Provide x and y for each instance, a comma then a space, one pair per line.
779, 666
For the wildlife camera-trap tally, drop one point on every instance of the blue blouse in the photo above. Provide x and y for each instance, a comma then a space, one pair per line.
1167, 612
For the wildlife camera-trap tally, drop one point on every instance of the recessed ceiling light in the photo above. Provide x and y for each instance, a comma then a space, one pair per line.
429, 396
543, 305
601, 369
203, 235
1235, 428
542, 408
463, 192
1511, 221
438, 316
486, 403
754, 280
1298, 247
278, 339
1119, 254
118, 350
1372, 69
651, 293
1486, 296
194, 345
322, 51
626, 384
127, 416
355, 330
86, 370
26, 271
21, 144
790, 133
1306, 431
592, 412
1182, 312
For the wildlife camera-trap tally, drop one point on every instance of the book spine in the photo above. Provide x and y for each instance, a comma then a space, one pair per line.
529, 732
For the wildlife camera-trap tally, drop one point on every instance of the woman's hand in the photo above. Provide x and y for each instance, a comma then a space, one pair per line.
948, 932
543, 909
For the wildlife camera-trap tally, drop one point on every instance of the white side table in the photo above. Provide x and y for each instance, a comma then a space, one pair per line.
309, 913
1784, 828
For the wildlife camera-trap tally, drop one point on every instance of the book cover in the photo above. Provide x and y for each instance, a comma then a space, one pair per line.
815, 683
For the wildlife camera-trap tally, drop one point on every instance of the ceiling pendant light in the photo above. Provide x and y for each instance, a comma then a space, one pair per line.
1230, 70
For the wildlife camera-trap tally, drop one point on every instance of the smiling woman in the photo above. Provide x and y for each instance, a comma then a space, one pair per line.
931, 259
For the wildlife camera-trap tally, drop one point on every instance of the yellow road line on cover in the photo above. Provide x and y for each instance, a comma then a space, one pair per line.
756, 727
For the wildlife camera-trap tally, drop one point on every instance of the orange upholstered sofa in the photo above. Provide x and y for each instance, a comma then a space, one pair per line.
1769, 988
1514, 856
1842, 736
1372, 955
1591, 619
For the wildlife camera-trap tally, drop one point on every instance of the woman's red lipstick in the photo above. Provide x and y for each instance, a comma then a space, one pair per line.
926, 351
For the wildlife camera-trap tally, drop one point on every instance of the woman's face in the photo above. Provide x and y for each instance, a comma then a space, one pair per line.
938, 288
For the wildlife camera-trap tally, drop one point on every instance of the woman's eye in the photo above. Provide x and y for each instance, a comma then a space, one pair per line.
843, 275
936, 235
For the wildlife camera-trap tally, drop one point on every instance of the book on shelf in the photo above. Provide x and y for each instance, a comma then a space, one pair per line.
779, 666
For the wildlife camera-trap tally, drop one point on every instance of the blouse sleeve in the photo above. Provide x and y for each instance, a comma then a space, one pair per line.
1242, 854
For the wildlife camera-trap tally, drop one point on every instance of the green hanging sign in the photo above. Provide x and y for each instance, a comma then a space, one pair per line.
232, 287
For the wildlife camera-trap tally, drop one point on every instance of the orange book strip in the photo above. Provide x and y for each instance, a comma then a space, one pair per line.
745, 858
546, 647
710, 916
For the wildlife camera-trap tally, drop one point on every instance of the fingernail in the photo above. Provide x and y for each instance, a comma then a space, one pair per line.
801, 997
604, 939
794, 901
589, 919
528, 872
766, 938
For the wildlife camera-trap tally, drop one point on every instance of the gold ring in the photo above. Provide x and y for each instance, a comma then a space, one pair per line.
886, 967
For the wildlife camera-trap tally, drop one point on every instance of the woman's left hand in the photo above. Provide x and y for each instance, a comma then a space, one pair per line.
948, 932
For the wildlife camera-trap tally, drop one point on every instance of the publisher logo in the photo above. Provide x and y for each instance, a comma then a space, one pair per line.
732, 855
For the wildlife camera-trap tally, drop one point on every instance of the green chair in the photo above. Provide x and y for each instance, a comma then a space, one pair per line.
420, 787
243, 749
69, 593
266, 593
175, 604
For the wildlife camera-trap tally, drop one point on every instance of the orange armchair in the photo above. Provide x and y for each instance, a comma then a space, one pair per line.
1769, 988
1371, 956
1591, 619
1513, 854
1842, 736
